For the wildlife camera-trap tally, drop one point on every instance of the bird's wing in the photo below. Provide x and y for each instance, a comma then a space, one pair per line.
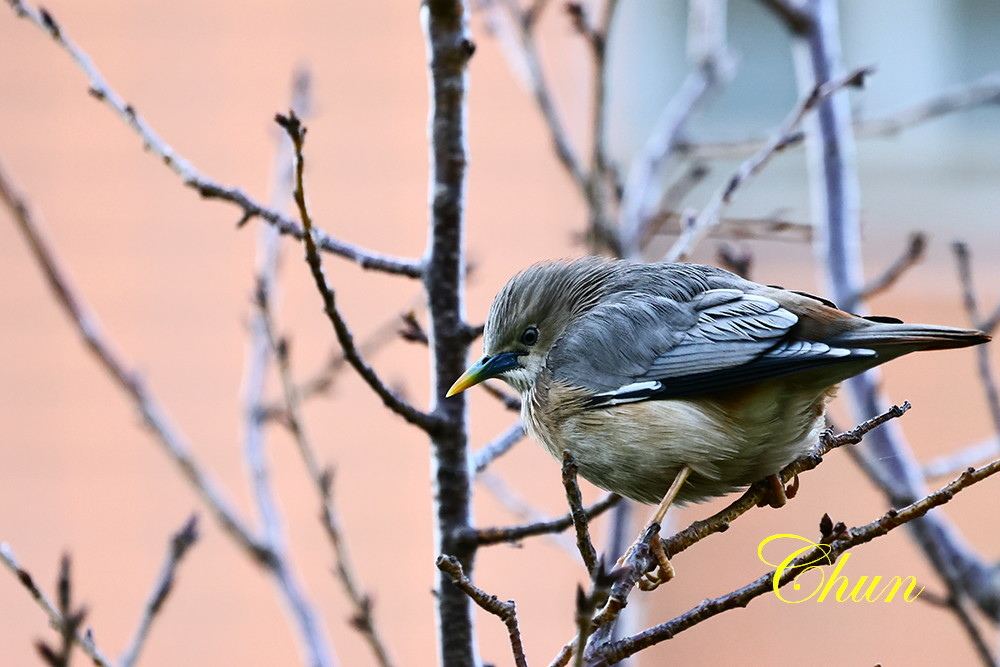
637, 347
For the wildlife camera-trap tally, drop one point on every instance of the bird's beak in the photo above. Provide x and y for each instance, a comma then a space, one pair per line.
484, 369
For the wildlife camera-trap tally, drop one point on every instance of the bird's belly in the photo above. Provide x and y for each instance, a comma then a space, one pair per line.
636, 449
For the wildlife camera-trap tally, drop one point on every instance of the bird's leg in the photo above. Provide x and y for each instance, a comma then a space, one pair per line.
665, 571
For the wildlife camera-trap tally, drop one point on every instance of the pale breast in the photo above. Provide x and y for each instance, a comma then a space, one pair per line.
636, 449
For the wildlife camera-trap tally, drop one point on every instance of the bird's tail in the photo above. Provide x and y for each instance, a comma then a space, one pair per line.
908, 337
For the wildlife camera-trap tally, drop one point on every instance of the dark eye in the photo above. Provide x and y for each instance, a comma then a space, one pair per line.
530, 336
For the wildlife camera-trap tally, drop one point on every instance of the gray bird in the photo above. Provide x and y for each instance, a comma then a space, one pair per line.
654, 375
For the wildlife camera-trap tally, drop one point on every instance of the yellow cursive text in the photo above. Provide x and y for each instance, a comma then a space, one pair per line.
818, 556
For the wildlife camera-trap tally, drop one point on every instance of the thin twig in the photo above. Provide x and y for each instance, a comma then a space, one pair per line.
189, 175
954, 463
912, 255
363, 618
524, 511
324, 379
774, 228
183, 540
971, 303
128, 380
497, 447
610, 654
505, 611
981, 92
708, 218
260, 551
296, 131
576, 511
84, 639
713, 67
486, 536
514, 29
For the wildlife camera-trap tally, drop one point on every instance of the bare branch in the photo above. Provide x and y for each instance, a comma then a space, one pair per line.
128, 380
575, 500
183, 540
708, 218
971, 303
500, 445
610, 654
505, 611
296, 131
191, 177
713, 67
981, 92
84, 639
774, 228
912, 255
487, 536
514, 29
797, 20
954, 463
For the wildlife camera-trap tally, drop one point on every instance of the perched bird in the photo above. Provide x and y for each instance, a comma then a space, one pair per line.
655, 375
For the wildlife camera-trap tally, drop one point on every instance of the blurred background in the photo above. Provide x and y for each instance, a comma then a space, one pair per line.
171, 280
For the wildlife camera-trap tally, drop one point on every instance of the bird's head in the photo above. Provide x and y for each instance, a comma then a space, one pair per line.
529, 316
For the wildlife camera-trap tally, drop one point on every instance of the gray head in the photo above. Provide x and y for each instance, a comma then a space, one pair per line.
531, 313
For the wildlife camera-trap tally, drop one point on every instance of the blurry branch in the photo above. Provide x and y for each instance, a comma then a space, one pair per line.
500, 445
834, 190
514, 29
190, 176
128, 380
971, 303
509, 401
70, 625
296, 132
601, 233
325, 378
981, 92
263, 552
912, 255
363, 619
774, 228
510, 534
954, 463
183, 540
515, 503
737, 260
824, 551
577, 513
673, 196
58, 618
505, 611
698, 227
712, 68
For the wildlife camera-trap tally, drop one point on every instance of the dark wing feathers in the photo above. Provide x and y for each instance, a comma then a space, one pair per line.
636, 346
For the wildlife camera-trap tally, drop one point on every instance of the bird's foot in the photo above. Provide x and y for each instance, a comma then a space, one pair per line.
777, 494
664, 569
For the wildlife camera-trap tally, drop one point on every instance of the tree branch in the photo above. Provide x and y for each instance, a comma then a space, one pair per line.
708, 218
505, 611
296, 131
57, 621
180, 543
189, 175
826, 552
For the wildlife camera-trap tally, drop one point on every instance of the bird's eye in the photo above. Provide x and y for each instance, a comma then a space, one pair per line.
530, 336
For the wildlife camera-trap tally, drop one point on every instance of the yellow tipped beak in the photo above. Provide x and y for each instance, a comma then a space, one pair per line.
469, 378
484, 369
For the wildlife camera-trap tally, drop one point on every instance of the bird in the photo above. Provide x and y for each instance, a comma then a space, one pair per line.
674, 383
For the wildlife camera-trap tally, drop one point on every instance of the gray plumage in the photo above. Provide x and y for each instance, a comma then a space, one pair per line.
639, 369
